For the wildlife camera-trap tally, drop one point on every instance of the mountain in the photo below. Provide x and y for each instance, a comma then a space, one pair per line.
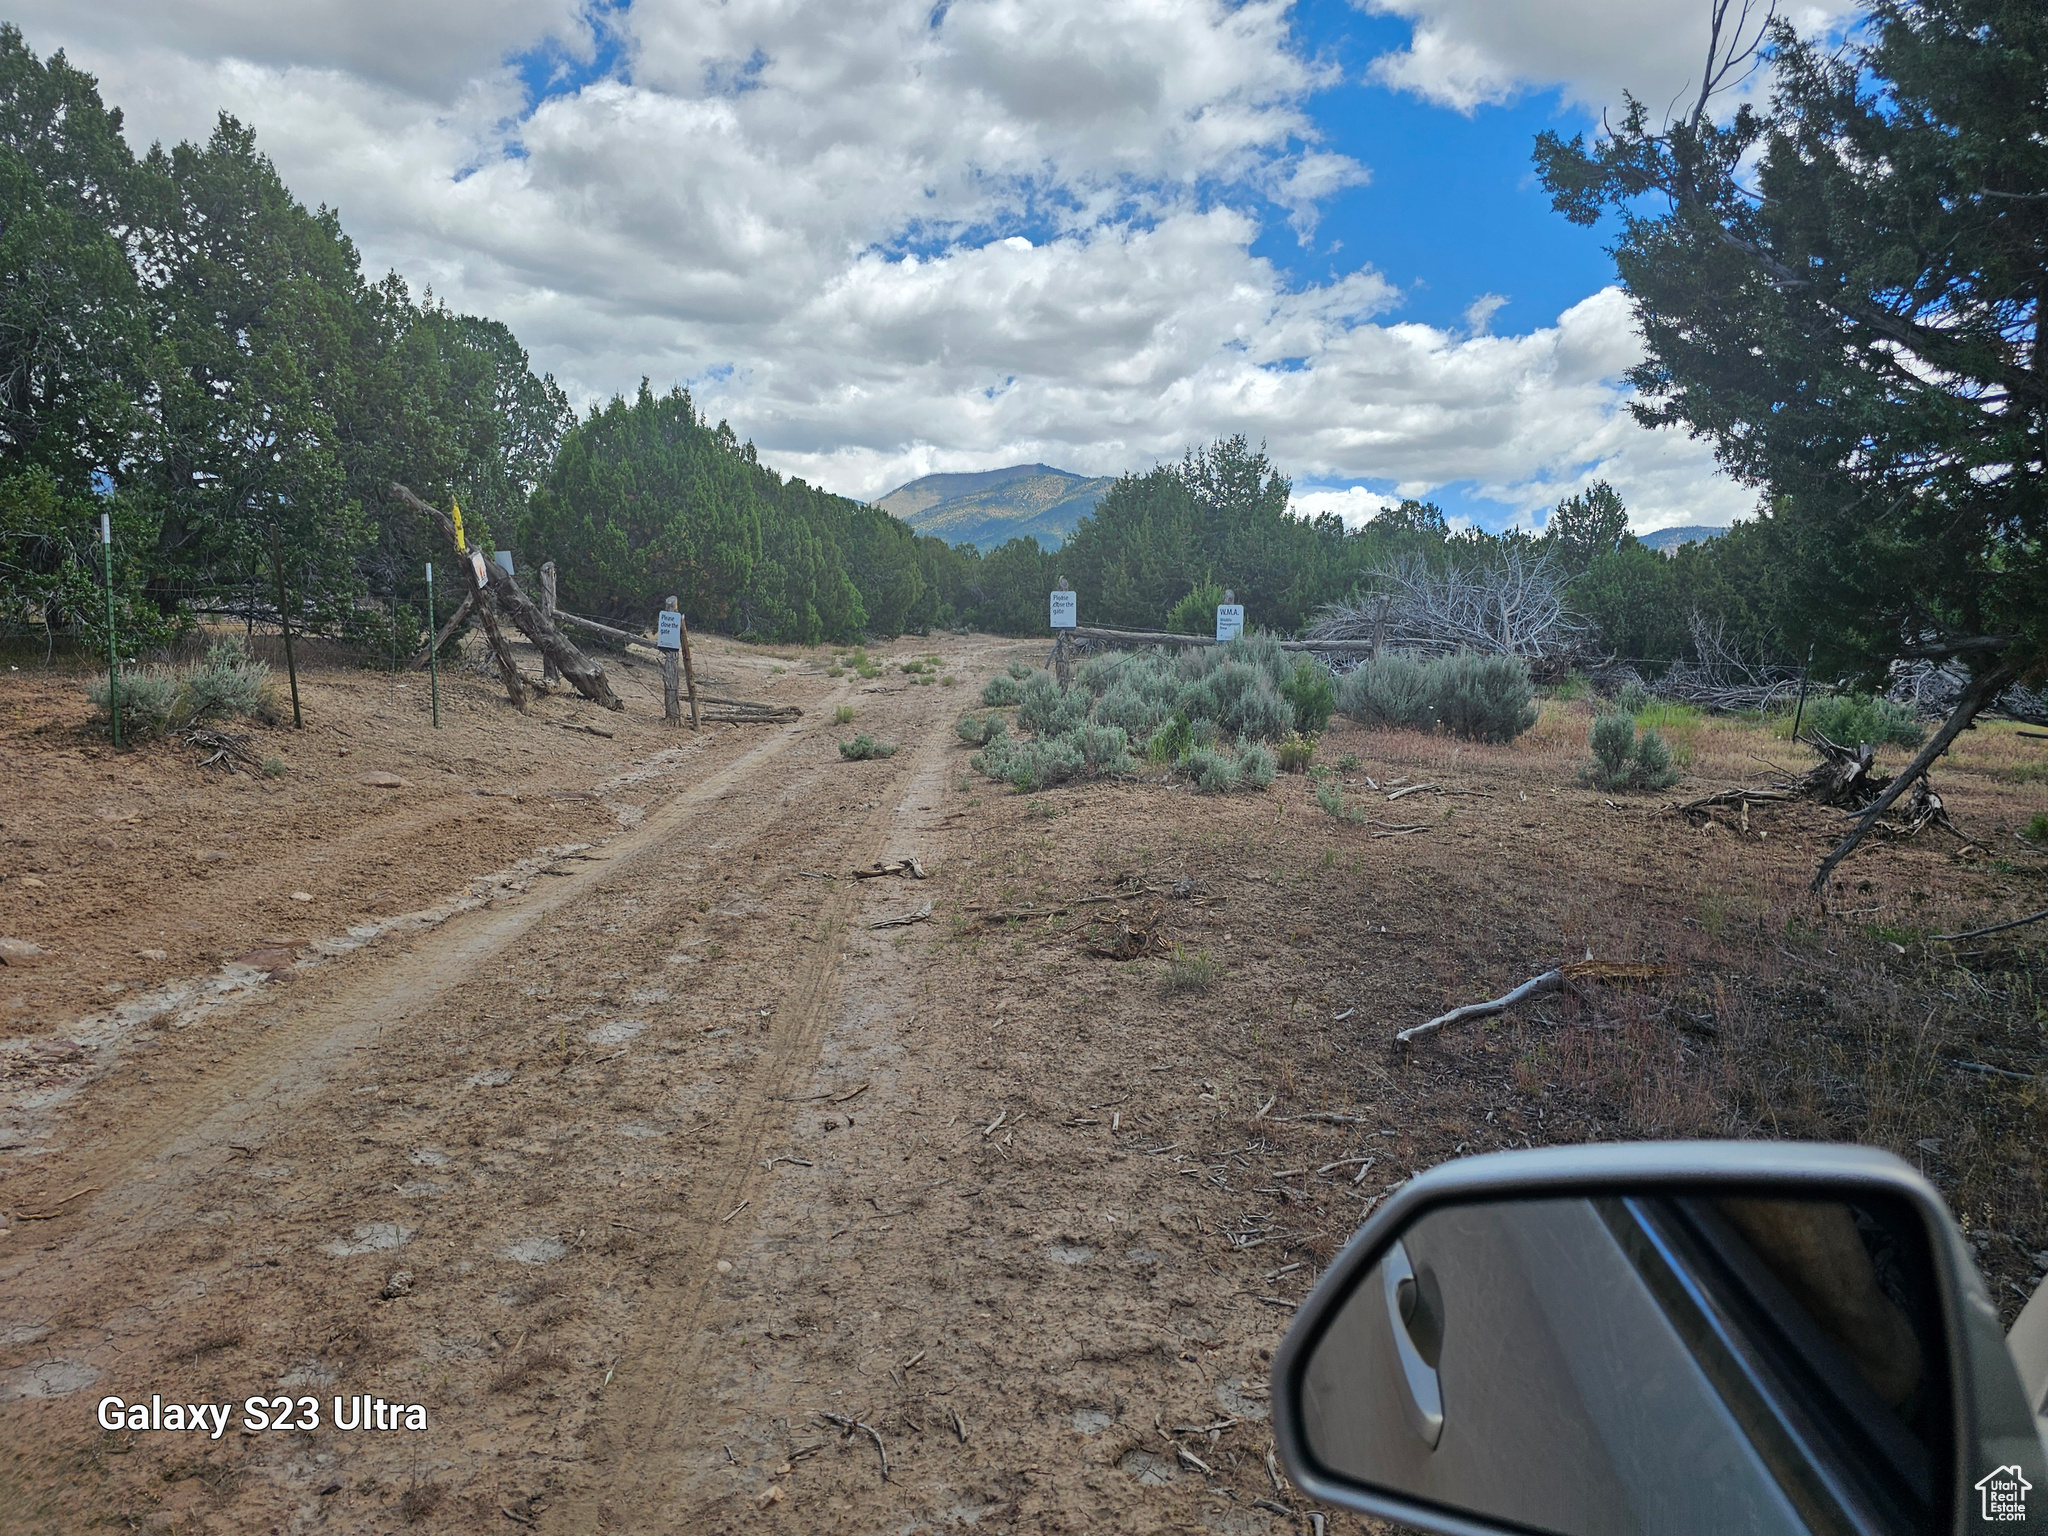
1666, 540
996, 505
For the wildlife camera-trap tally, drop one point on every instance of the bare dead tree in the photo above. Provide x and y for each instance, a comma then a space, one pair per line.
1511, 605
1717, 676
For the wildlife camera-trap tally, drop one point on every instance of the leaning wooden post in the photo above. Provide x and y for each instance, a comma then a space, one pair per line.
689, 672
668, 639
548, 674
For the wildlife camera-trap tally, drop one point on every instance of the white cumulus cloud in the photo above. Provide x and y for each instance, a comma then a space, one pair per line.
1470, 53
888, 237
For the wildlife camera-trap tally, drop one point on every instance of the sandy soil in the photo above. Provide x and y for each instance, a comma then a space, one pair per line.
616, 1135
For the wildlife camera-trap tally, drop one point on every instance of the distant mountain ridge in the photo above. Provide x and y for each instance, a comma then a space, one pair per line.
993, 506
1666, 540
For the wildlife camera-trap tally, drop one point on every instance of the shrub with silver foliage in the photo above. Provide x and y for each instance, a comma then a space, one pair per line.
1392, 690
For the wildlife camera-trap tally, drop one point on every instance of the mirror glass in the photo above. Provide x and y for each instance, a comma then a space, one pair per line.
1689, 1363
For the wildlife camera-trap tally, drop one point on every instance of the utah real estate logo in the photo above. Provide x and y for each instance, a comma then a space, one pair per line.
2004, 1493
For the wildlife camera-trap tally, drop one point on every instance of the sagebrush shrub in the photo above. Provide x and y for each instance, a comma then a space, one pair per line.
864, 748
149, 701
1123, 706
1106, 749
1633, 698
1653, 761
1000, 692
979, 730
228, 685
1851, 719
1020, 670
1330, 796
1047, 708
1255, 765
1261, 652
1483, 698
1389, 690
1213, 770
1241, 701
1098, 674
1049, 760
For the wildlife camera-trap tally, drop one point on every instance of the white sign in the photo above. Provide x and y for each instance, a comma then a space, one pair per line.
668, 631
1229, 620
1063, 611
504, 560
476, 563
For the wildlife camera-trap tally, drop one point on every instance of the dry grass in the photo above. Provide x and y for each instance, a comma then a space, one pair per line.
526, 1368
420, 1501
1784, 1017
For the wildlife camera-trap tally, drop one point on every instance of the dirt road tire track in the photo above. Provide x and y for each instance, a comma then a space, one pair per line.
372, 993
644, 1424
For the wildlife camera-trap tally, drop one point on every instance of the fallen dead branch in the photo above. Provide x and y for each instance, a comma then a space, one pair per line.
748, 710
1736, 797
904, 866
1843, 780
850, 1425
227, 747
1983, 689
56, 1210
1135, 936
1978, 933
905, 919
1985, 1069
1539, 986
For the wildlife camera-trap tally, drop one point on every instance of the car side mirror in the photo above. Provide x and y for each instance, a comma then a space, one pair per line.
1681, 1337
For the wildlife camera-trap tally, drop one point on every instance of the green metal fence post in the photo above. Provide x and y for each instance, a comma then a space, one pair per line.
113, 647
284, 618
433, 648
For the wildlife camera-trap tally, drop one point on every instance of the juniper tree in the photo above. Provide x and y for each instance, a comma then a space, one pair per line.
1842, 291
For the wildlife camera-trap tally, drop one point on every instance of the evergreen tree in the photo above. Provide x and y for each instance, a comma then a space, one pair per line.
1843, 292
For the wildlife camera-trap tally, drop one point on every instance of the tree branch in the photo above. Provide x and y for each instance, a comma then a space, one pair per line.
1983, 689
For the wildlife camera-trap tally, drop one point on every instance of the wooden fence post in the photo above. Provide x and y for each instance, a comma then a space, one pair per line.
689, 672
671, 681
548, 674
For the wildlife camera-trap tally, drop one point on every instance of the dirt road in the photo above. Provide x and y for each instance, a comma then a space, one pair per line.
630, 1178
679, 1196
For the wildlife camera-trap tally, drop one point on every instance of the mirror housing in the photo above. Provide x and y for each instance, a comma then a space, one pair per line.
1988, 1419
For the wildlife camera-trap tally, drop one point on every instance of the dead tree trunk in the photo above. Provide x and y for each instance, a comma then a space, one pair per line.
441, 639
1982, 690
585, 675
508, 665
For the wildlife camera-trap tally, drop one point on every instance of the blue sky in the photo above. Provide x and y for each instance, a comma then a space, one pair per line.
1453, 210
